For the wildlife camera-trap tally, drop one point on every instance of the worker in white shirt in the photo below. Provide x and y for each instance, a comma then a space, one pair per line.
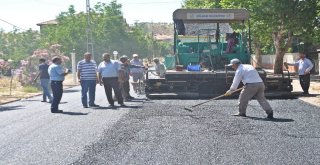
253, 87
160, 68
305, 66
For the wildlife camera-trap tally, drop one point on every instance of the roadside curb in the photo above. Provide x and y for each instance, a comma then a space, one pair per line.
36, 94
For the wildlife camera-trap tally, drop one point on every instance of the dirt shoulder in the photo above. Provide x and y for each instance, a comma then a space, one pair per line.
314, 90
17, 93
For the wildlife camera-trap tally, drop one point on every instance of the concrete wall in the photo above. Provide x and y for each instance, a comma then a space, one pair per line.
269, 60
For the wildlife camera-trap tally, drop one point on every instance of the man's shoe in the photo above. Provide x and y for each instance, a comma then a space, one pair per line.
240, 114
85, 106
130, 97
44, 101
270, 115
122, 105
94, 105
111, 105
57, 111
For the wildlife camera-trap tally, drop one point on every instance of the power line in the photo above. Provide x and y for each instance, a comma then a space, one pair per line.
15, 26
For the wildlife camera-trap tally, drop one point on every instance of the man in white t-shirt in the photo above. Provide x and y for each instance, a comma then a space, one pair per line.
253, 87
108, 73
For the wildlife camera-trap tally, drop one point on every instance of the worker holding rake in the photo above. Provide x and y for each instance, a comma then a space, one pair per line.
253, 87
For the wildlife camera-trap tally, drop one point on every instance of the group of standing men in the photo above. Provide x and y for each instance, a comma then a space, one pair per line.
112, 74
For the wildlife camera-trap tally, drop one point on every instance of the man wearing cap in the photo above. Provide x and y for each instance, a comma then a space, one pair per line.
160, 68
124, 76
136, 73
253, 87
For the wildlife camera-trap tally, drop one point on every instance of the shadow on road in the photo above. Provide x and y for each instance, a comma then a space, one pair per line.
273, 120
70, 90
116, 107
74, 113
10, 108
30, 100
308, 95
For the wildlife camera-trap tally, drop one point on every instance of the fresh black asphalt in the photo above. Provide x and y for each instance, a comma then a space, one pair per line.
158, 132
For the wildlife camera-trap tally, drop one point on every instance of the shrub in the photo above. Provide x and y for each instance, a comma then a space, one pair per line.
29, 67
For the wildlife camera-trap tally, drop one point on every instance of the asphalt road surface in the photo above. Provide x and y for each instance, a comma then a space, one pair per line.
158, 132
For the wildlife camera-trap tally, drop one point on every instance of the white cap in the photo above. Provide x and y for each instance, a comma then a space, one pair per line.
234, 61
135, 55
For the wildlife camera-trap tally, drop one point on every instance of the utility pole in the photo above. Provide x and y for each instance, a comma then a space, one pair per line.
89, 32
74, 66
152, 35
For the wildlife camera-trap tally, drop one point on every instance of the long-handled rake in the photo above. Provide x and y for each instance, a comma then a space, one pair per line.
215, 98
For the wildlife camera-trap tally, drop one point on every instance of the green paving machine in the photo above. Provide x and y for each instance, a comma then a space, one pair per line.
204, 43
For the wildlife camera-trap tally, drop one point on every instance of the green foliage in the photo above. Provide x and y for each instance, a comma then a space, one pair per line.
18, 45
202, 4
285, 16
29, 67
109, 32
275, 22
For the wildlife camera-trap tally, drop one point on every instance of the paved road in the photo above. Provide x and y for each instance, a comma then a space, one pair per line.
30, 134
158, 132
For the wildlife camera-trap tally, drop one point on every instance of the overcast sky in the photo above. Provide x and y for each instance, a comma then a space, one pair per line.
26, 14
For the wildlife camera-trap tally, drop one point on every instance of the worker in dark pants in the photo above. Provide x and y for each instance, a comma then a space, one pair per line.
253, 87
305, 66
124, 76
57, 74
108, 73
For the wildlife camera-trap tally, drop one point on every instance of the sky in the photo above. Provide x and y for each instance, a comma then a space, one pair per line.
26, 14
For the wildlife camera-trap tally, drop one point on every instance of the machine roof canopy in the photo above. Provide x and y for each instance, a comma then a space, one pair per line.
210, 15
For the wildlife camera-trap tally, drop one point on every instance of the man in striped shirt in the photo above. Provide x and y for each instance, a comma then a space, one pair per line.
87, 76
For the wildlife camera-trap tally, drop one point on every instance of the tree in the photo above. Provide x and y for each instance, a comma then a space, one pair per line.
277, 20
281, 19
109, 32
17, 45
206, 4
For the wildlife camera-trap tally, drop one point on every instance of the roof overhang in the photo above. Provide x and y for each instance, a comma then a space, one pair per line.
210, 15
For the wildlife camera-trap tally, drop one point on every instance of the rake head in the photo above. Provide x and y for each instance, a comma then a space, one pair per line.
188, 109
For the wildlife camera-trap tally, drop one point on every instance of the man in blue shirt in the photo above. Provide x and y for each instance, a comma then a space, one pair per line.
108, 71
305, 66
44, 80
87, 76
57, 74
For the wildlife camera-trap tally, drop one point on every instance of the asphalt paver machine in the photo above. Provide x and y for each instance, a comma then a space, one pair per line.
201, 52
